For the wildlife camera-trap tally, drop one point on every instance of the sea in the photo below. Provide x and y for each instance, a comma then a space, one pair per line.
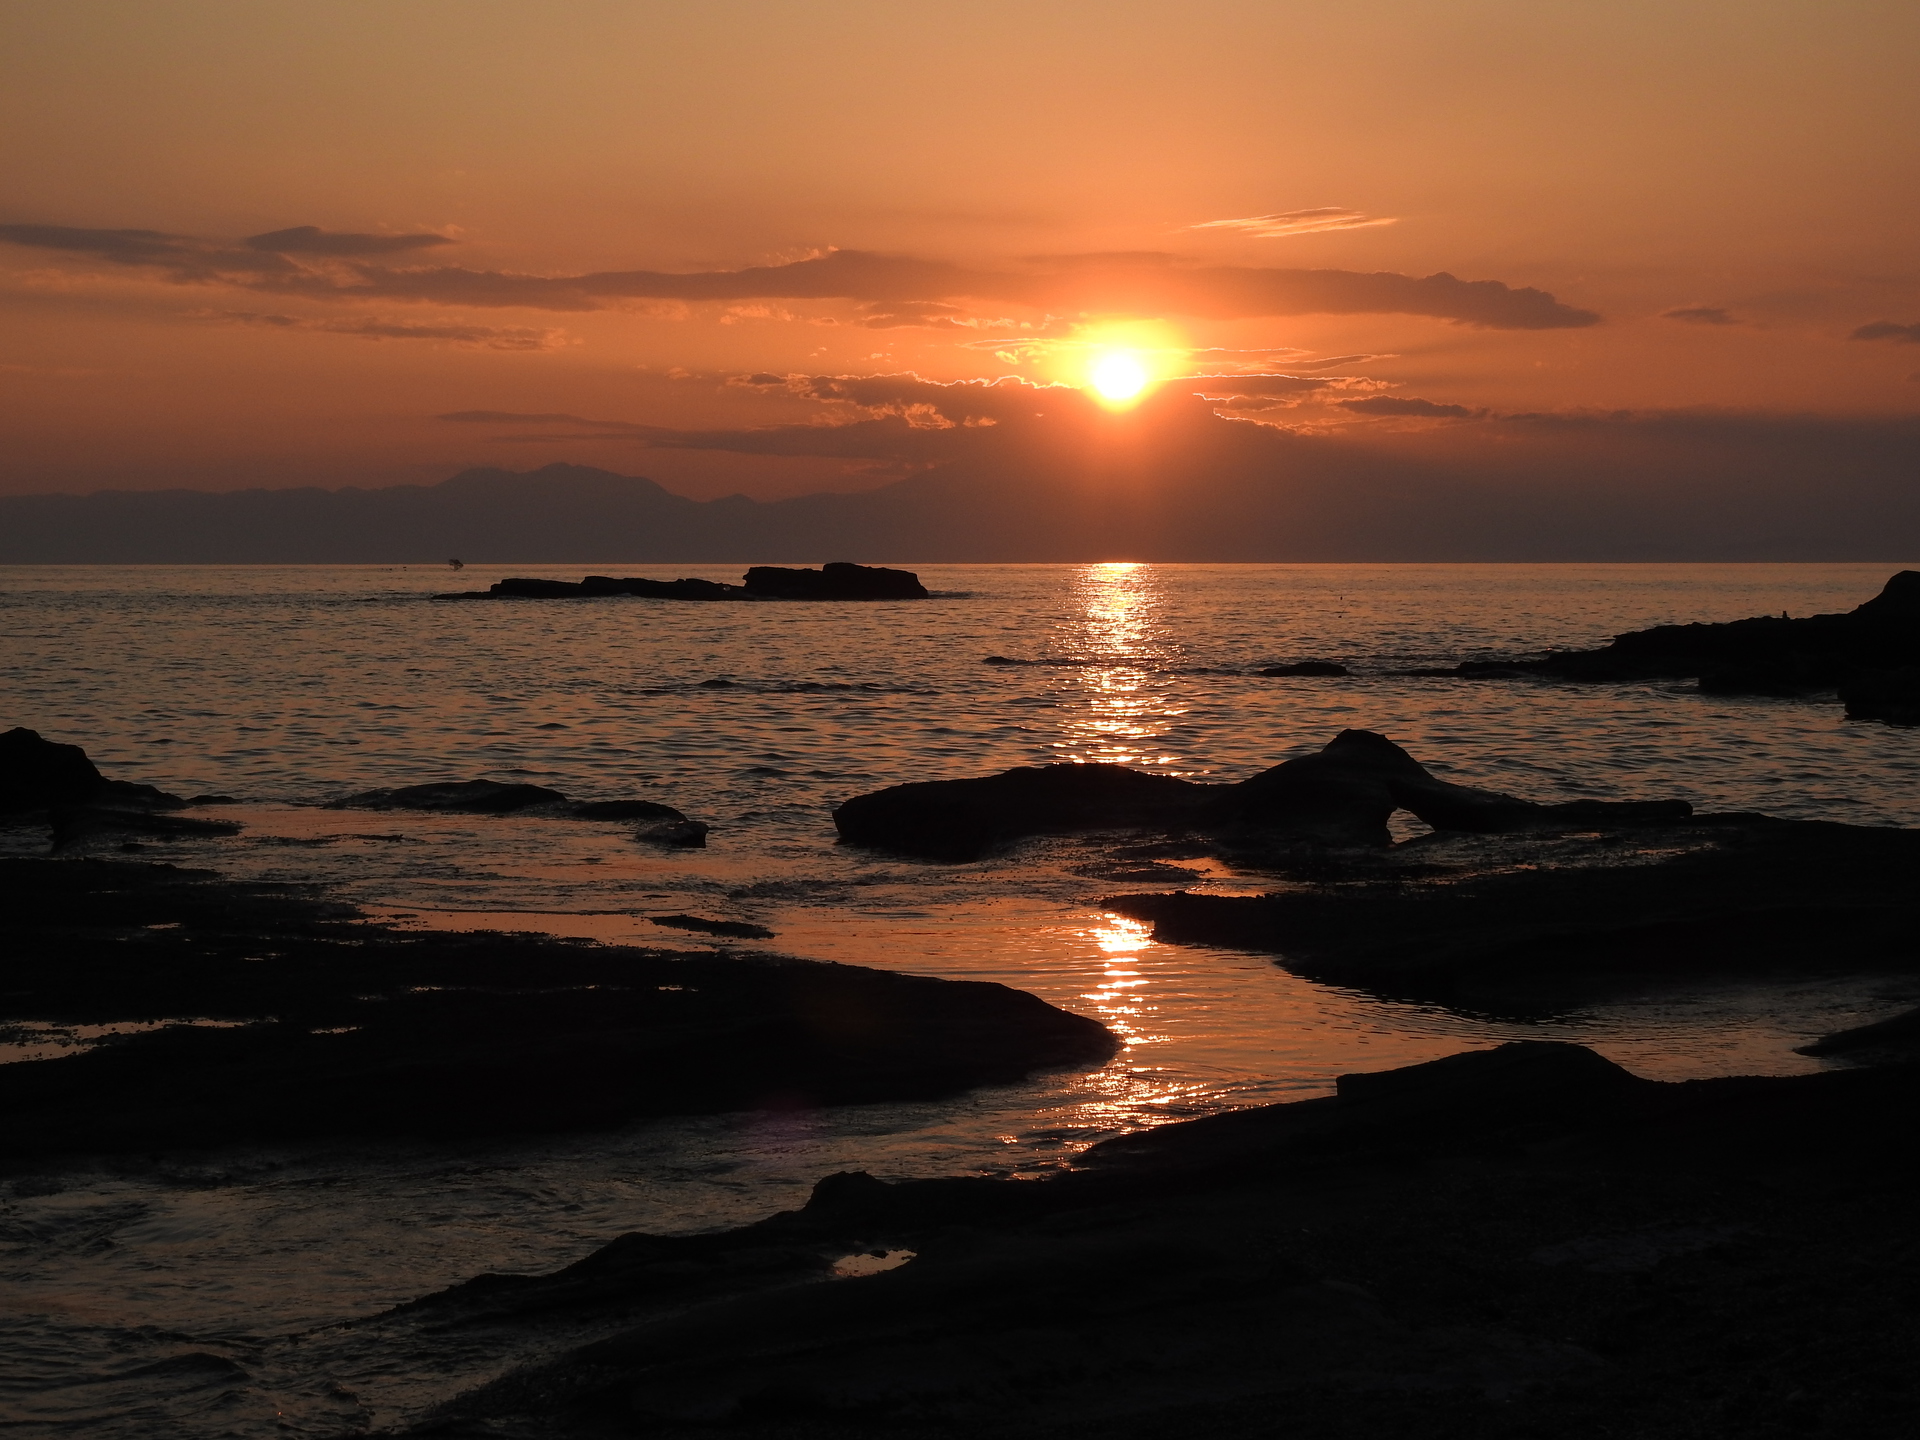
217, 1292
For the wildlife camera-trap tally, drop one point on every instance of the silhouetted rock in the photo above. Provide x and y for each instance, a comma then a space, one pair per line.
1889, 695
1469, 670
1523, 924
36, 774
1888, 1042
1307, 667
1442, 1250
837, 580
665, 825
478, 797
1341, 796
686, 834
957, 819
732, 929
1774, 655
357, 1029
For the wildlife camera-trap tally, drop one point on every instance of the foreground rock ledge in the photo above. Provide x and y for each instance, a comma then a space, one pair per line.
1512, 1243
1344, 795
347, 1028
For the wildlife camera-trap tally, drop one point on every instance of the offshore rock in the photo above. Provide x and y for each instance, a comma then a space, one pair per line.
1775, 655
350, 1028
835, 581
1307, 667
36, 774
665, 824
1341, 796
1889, 695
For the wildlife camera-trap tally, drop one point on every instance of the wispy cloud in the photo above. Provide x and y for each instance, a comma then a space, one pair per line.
473, 337
1701, 315
1888, 330
312, 240
901, 289
1299, 222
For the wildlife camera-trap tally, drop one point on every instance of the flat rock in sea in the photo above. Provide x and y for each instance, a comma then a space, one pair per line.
1523, 926
1341, 796
1305, 668
837, 580
662, 823
335, 1026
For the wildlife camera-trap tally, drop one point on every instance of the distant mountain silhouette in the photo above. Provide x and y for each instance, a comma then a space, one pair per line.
1533, 488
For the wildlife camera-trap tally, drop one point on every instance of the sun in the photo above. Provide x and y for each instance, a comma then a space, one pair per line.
1118, 376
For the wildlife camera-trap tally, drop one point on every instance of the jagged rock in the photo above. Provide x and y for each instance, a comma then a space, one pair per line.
1307, 667
732, 929
837, 580
1887, 1042
1341, 796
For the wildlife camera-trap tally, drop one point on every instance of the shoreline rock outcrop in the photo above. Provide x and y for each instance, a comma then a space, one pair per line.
1343, 795
661, 824
45, 782
333, 1025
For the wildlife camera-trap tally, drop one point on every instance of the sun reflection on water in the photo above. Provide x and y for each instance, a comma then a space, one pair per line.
1116, 628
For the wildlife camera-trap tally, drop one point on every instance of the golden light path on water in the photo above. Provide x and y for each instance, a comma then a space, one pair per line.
1117, 633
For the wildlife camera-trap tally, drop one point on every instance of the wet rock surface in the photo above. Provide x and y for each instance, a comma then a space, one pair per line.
1343, 795
837, 580
330, 1025
1520, 1242
660, 824
1521, 927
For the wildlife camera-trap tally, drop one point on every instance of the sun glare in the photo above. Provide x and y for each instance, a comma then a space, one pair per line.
1118, 376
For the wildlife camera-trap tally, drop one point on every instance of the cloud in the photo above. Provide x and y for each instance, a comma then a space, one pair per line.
476, 337
898, 289
1408, 405
1299, 222
312, 240
1888, 330
1700, 315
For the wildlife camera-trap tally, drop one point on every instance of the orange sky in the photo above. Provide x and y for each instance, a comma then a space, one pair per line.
271, 244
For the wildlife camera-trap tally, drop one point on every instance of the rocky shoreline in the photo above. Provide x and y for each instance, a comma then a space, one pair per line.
837, 580
1511, 1243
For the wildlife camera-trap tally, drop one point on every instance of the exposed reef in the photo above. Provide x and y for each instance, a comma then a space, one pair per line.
1870, 654
662, 824
1526, 929
331, 1025
1500, 1245
837, 580
1343, 796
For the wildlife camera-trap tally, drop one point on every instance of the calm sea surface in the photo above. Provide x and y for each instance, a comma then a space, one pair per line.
154, 1296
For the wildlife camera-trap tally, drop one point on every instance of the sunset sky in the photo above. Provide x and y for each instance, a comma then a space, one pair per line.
728, 245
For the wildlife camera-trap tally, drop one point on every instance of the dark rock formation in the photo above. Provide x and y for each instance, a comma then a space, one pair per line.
1470, 670
1889, 1042
1889, 695
374, 1031
1774, 655
1525, 930
1341, 796
37, 774
837, 580
476, 797
731, 929
1307, 667
665, 825
957, 819
1506, 1244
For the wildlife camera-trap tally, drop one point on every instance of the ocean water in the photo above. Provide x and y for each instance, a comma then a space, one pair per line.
158, 1295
